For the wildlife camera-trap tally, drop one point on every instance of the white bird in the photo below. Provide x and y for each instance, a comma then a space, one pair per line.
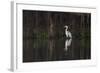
68, 33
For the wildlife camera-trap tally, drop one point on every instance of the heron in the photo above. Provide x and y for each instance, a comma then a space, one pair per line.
67, 33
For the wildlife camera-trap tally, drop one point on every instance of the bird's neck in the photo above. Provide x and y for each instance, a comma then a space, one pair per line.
66, 29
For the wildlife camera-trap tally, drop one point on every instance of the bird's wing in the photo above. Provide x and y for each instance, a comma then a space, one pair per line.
69, 34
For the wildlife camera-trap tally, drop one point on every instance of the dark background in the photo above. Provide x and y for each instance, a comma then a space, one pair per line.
44, 36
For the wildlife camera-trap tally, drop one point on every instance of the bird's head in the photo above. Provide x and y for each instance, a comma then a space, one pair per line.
66, 27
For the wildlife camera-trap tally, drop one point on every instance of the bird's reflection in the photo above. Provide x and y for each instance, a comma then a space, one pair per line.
67, 44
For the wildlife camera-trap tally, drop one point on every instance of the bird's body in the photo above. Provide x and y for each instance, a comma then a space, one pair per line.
68, 34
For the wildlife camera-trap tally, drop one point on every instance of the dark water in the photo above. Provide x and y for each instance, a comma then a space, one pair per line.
44, 36
56, 50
